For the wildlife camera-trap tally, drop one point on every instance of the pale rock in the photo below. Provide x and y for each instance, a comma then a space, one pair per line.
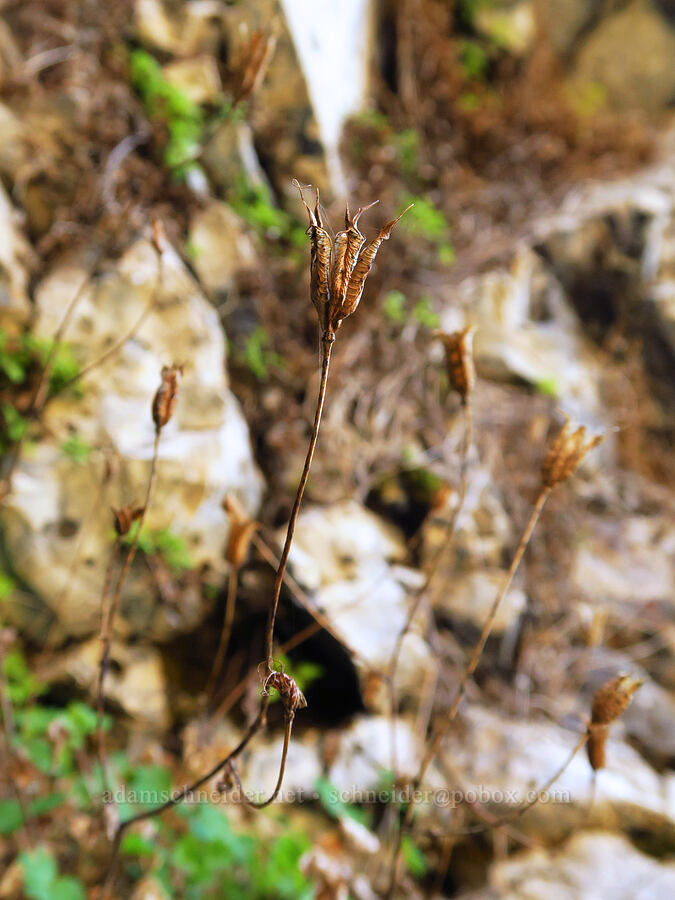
345, 556
57, 521
367, 747
303, 768
198, 78
591, 866
469, 596
631, 54
506, 758
185, 30
511, 26
631, 564
15, 258
221, 248
135, 681
525, 329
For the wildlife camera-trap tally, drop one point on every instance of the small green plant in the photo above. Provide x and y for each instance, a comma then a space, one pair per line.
424, 314
76, 448
394, 307
407, 144
473, 59
256, 354
41, 879
427, 221
168, 546
253, 203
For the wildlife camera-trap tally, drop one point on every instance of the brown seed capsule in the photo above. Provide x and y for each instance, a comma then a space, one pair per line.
290, 694
159, 237
124, 517
242, 530
339, 266
609, 702
164, 402
459, 360
566, 453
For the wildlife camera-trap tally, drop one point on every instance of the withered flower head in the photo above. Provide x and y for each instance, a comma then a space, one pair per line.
340, 265
291, 696
566, 453
609, 702
164, 402
459, 360
124, 517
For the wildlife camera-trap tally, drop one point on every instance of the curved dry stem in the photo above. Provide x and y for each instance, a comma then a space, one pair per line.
442, 729
105, 639
282, 767
327, 341
431, 572
226, 632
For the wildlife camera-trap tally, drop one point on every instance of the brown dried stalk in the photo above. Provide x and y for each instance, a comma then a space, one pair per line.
561, 461
336, 286
462, 378
162, 408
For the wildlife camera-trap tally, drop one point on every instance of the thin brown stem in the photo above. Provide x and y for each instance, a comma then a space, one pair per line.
327, 340
105, 639
226, 632
109, 626
448, 718
282, 767
431, 571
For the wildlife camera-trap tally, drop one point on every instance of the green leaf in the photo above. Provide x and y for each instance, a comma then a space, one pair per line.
413, 857
67, 888
39, 873
76, 448
134, 844
7, 585
11, 817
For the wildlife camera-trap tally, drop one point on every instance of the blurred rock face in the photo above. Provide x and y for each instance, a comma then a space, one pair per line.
57, 521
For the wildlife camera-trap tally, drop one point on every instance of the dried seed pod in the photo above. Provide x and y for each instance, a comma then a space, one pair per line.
612, 699
339, 266
124, 517
164, 401
291, 695
459, 365
251, 65
239, 542
566, 453
609, 702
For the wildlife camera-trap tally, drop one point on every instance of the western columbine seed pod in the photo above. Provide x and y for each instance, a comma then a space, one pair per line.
291, 695
609, 702
566, 453
340, 266
459, 360
164, 401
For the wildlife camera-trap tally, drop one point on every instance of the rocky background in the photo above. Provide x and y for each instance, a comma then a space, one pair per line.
536, 141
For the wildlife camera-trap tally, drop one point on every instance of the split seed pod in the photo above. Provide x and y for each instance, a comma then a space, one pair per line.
164, 402
566, 453
339, 266
292, 697
609, 703
459, 360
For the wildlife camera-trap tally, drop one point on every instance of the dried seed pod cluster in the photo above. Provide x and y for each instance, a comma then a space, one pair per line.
124, 517
610, 701
164, 402
340, 265
242, 530
459, 365
566, 453
291, 695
